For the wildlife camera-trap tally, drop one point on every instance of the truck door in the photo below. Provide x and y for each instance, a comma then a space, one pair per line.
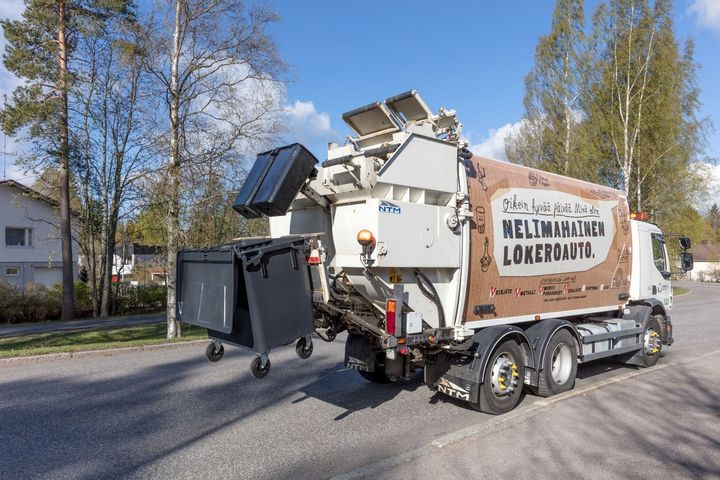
652, 266
661, 273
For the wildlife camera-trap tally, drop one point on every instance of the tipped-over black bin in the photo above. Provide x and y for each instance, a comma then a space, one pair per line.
275, 179
254, 293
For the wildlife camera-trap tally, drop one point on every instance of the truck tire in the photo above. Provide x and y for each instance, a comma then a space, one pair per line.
503, 380
651, 343
378, 376
559, 366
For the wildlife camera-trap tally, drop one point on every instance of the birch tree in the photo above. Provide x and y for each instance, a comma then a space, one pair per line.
643, 106
217, 66
548, 137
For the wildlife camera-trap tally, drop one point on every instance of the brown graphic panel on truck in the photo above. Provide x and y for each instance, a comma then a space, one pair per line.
543, 243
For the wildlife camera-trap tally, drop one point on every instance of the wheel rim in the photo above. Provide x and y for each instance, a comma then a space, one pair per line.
504, 377
652, 342
561, 365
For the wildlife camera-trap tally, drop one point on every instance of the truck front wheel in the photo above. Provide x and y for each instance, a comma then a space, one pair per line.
559, 365
504, 374
652, 343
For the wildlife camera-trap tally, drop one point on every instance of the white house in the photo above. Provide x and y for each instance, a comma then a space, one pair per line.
706, 257
30, 248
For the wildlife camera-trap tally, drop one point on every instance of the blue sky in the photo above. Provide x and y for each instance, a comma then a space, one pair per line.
470, 56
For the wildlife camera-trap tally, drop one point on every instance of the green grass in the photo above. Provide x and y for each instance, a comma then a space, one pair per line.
54, 320
679, 291
57, 342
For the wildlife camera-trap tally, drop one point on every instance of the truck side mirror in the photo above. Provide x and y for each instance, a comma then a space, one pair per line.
686, 261
685, 243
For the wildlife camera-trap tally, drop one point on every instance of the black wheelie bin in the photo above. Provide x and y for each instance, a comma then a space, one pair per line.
254, 293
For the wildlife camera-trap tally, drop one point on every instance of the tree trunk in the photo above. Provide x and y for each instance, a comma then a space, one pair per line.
108, 245
173, 219
65, 226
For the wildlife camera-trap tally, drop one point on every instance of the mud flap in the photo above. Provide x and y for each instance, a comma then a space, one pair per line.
359, 354
456, 376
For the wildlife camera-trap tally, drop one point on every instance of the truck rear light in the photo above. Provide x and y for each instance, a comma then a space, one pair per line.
391, 307
314, 257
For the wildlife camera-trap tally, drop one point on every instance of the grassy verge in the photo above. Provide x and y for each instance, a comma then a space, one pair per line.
100, 319
679, 291
57, 342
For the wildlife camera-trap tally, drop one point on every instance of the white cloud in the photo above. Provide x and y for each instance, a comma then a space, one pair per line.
493, 146
707, 13
308, 126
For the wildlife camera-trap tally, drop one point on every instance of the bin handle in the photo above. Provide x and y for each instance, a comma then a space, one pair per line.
254, 256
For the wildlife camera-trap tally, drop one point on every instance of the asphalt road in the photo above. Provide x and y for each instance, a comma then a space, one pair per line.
77, 325
171, 414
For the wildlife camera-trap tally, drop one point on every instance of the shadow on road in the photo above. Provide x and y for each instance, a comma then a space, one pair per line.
66, 427
328, 388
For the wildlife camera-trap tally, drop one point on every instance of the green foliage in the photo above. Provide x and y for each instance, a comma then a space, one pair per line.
548, 139
139, 298
32, 53
635, 125
37, 303
57, 342
713, 218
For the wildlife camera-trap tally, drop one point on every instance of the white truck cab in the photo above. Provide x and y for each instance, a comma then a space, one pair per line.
650, 277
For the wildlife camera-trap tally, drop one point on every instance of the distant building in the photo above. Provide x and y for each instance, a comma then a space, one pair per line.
30, 250
706, 257
126, 261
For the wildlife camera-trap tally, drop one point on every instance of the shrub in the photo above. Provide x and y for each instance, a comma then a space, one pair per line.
139, 298
38, 303
29, 304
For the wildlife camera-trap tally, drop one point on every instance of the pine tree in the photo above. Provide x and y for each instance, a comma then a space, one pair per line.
39, 50
713, 218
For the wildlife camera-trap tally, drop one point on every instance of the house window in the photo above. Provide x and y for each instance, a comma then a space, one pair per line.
18, 236
12, 271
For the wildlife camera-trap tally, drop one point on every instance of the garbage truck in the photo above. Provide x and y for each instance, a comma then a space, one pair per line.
491, 277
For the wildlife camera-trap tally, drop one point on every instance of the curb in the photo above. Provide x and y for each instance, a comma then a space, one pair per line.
107, 352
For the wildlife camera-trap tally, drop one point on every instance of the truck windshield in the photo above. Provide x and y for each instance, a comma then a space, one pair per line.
658, 248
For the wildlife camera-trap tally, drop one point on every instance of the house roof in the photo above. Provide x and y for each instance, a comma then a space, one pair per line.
29, 191
705, 252
32, 193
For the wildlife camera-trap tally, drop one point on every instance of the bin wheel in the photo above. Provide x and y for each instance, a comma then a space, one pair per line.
303, 348
330, 334
214, 355
257, 369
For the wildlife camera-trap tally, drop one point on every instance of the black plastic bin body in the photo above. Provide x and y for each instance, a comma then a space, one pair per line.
255, 293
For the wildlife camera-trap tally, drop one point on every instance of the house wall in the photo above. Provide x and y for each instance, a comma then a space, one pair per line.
41, 262
701, 270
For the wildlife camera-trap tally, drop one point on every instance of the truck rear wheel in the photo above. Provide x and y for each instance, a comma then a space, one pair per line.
559, 365
504, 374
652, 343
